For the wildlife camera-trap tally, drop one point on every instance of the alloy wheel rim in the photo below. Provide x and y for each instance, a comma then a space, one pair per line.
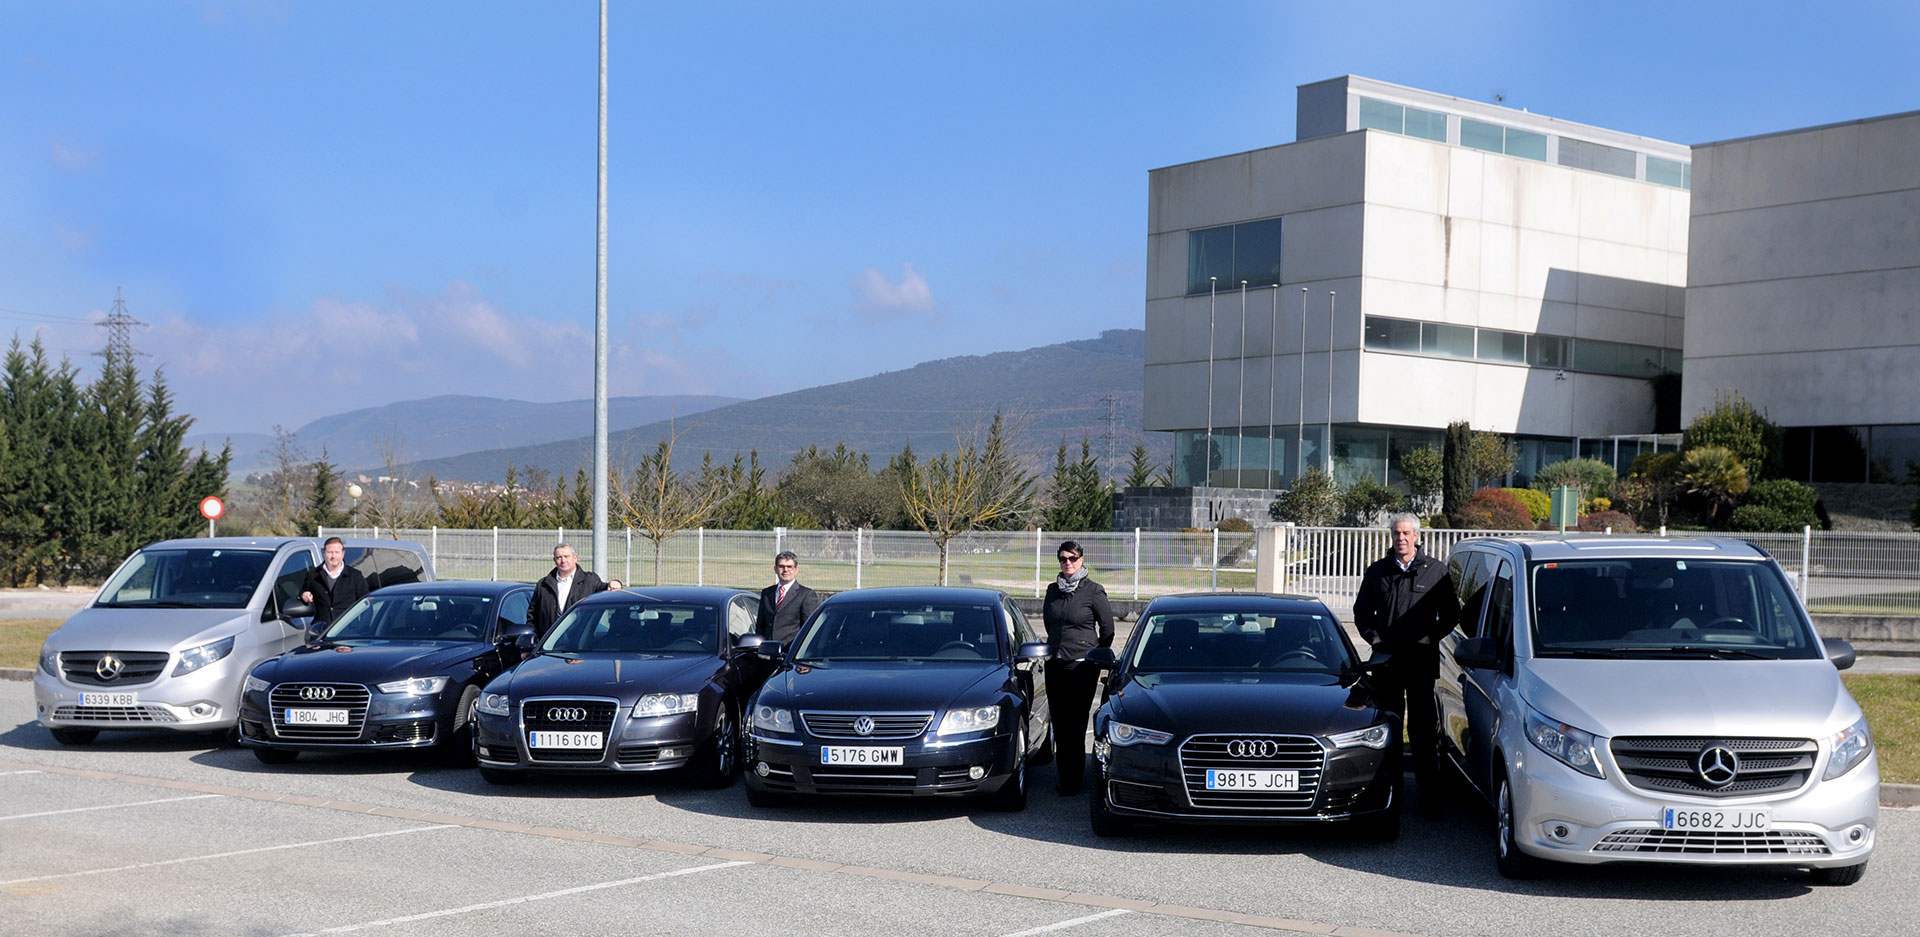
724, 745
1506, 819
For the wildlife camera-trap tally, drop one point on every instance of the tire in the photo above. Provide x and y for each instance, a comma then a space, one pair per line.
1105, 824
763, 798
500, 776
75, 736
1044, 754
457, 750
1839, 875
717, 761
275, 756
1012, 795
1507, 856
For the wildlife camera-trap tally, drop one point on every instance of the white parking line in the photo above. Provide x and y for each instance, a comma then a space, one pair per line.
389, 922
224, 855
138, 803
18, 772
1076, 922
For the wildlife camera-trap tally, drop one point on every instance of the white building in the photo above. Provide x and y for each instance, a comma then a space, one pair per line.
1410, 260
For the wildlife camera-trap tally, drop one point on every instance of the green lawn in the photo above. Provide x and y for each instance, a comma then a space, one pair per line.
1892, 704
20, 640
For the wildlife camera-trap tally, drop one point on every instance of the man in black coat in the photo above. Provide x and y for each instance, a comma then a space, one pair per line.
559, 589
333, 585
785, 605
1407, 603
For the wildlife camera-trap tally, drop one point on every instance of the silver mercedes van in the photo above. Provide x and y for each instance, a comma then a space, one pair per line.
169, 639
1653, 700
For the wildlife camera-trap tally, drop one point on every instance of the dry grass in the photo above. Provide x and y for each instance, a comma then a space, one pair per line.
20, 640
1892, 704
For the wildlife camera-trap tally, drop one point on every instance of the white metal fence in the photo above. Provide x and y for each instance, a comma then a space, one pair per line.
1836, 573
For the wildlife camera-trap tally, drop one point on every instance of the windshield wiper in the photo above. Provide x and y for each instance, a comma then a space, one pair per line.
1613, 653
1697, 650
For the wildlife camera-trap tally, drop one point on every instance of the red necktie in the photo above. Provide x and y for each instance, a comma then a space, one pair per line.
780, 597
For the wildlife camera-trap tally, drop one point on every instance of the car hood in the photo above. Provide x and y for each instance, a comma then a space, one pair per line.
375, 662
625, 676
1191, 703
147, 629
1611, 698
881, 686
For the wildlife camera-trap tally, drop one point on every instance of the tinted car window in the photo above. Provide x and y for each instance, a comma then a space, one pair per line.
1022, 631
740, 614
513, 608
1470, 569
386, 567
1667, 608
1249, 641
415, 618
900, 632
189, 578
637, 628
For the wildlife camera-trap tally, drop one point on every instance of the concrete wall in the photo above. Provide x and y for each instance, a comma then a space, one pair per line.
1803, 292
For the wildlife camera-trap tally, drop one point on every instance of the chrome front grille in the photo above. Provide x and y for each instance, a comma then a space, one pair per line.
351, 697
1670, 764
136, 667
840, 725
1293, 753
546, 714
121, 715
1712, 843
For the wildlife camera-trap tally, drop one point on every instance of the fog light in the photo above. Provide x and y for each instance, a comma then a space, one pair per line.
203, 710
976, 772
1560, 831
1856, 834
669, 754
762, 770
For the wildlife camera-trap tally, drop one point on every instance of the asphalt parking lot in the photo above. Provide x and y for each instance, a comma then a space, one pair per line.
142, 834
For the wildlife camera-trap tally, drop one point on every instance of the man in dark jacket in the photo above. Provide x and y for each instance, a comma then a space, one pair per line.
785, 605
1406, 604
332, 586
562, 587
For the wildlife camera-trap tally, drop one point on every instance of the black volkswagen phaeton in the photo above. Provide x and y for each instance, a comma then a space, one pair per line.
912, 691
642, 679
402, 668
1242, 708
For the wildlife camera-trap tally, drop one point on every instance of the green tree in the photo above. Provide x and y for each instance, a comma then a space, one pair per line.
1079, 500
1365, 501
1735, 424
323, 499
1313, 501
661, 502
1457, 468
836, 490
1492, 456
1593, 477
1002, 473
1713, 474
1140, 469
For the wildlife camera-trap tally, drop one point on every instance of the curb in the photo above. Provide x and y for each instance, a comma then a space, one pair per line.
15, 673
1899, 795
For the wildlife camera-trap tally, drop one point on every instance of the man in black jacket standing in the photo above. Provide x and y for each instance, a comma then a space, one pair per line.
332, 586
562, 587
1406, 604
785, 605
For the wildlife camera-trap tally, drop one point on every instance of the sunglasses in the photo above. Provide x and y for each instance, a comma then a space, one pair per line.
1068, 558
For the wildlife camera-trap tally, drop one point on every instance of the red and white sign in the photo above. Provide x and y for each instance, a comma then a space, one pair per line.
211, 507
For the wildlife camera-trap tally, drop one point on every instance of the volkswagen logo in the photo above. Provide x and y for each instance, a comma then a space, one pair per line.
109, 667
316, 692
863, 725
567, 714
1718, 766
1253, 748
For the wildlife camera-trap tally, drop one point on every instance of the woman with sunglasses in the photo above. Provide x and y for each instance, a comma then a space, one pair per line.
1078, 619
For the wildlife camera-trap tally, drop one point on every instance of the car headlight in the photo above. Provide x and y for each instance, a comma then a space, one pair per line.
256, 685
773, 719
1369, 737
978, 719
1120, 733
494, 704
1850, 747
50, 661
666, 704
416, 686
193, 659
1575, 748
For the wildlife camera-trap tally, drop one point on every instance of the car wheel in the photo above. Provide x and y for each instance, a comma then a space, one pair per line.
1044, 754
458, 748
499, 776
75, 736
761, 797
716, 762
1105, 823
1012, 795
1839, 875
1512, 862
275, 756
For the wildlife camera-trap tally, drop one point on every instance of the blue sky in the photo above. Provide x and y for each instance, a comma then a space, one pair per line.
319, 206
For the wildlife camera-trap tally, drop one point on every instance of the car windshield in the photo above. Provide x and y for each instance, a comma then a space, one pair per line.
907, 631
640, 627
1667, 608
1243, 641
200, 577
413, 617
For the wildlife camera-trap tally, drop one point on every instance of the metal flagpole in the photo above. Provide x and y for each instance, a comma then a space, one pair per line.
1240, 430
600, 321
1326, 445
1300, 428
1273, 360
1206, 454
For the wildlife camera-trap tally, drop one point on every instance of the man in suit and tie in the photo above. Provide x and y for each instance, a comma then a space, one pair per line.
557, 592
785, 605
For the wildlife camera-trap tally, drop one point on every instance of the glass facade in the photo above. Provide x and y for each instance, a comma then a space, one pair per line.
1598, 157
1525, 144
1586, 355
1669, 172
1249, 251
1882, 454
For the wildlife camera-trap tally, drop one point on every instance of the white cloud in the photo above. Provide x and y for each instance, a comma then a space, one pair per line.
877, 298
72, 158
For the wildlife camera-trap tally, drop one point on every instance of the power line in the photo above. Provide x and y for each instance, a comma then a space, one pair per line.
1108, 434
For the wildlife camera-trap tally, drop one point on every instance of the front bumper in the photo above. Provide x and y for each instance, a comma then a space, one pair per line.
1566, 816
194, 702
1151, 782
632, 745
385, 721
793, 765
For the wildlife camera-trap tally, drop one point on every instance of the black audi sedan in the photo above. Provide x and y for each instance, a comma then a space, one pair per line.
642, 679
907, 691
402, 668
1242, 708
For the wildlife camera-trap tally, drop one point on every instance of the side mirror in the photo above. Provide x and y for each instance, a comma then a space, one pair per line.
296, 610
1477, 654
1839, 651
524, 640
1103, 658
511, 631
771, 650
1035, 650
748, 641
1377, 662
314, 630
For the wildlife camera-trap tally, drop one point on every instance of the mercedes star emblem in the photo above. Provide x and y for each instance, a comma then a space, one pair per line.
863, 725
1718, 765
109, 667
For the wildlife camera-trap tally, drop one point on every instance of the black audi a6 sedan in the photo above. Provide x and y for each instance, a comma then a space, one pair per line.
402, 668
642, 679
913, 691
1242, 708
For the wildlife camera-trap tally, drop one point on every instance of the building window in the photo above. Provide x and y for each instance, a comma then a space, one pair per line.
1619, 358
1591, 356
1411, 121
1546, 351
1497, 139
1526, 144
1236, 252
1495, 345
1392, 334
1611, 160
1454, 341
1427, 125
1669, 172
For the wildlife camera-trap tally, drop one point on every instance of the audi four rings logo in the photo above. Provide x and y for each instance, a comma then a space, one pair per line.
863, 725
1253, 748
567, 714
316, 692
1718, 766
109, 667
